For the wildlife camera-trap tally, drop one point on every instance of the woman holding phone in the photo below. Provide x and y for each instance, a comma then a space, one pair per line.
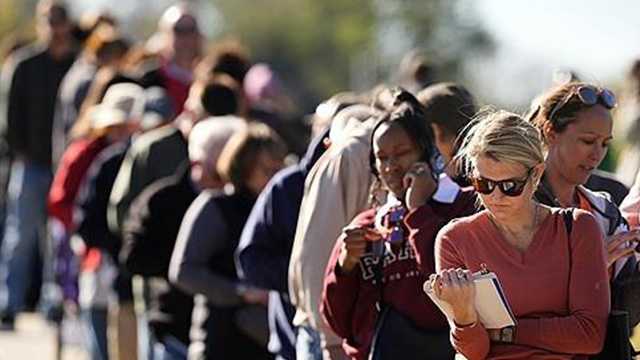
374, 277
576, 124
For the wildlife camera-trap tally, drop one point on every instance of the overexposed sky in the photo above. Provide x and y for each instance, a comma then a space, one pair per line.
598, 39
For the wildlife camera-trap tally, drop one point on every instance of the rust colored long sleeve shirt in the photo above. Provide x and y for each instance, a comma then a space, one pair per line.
557, 288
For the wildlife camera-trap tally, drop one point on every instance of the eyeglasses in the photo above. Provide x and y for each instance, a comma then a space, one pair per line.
588, 95
509, 187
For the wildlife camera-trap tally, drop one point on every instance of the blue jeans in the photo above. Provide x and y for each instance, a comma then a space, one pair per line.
95, 320
25, 231
145, 341
282, 334
169, 348
308, 346
139, 287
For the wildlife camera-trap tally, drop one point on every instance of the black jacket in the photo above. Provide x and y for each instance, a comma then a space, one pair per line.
150, 233
31, 103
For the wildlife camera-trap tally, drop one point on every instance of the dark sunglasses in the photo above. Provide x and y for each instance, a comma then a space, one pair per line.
588, 95
509, 187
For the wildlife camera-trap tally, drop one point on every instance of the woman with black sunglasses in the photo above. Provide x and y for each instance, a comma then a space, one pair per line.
372, 294
554, 280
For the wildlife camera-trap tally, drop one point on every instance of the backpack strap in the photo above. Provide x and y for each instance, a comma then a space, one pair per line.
567, 216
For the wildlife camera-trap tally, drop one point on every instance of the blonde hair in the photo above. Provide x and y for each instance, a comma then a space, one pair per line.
502, 136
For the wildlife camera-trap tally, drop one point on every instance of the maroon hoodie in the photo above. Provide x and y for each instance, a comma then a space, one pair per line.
349, 300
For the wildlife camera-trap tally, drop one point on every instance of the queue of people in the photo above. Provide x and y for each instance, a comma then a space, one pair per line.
155, 182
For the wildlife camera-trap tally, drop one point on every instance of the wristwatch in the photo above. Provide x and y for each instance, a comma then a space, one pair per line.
504, 335
508, 334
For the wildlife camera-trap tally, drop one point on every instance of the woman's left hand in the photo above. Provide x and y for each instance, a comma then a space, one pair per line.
616, 248
420, 185
456, 287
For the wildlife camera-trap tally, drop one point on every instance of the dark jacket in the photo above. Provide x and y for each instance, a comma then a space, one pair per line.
162, 75
262, 256
603, 208
150, 233
93, 200
35, 79
74, 88
202, 263
604, 181
74, 164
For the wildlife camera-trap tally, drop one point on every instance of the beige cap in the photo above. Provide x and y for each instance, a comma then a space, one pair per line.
122, 103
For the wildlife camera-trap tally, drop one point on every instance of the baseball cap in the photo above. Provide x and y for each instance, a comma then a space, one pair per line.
123, 102
158, 107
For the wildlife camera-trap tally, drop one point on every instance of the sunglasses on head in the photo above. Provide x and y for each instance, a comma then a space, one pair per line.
588, 95
509, 187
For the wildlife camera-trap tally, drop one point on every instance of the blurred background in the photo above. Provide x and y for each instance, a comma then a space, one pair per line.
506, 51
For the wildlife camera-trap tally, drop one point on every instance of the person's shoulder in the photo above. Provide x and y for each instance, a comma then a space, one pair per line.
110, 155
603, 181
161, 189
464, 196
356, 141
603, 205
465, 224
350, 155
153, 137
108, 160
205, 201
463, 234
79, 146
287, 177
28, 54
599, 198
23, 59
583, 217
149, 72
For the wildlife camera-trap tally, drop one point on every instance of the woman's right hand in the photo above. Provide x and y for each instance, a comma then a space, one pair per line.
354, 245
615, 248
456, 287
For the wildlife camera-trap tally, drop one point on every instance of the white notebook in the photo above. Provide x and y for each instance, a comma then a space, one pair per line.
491, 303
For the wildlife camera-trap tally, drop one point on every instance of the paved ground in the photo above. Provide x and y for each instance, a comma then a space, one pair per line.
35, 339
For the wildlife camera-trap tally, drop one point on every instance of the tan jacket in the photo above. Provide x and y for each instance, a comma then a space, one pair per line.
336, 190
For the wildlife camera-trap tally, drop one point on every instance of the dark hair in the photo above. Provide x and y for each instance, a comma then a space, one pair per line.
228, 58
58, 6
449, 105
106, 41
241, 152
221, 96
409, 114
564, 116
89, 22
